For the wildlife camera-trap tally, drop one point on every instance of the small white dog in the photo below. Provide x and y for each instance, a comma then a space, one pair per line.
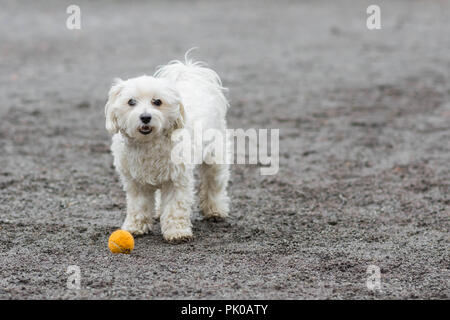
142, 113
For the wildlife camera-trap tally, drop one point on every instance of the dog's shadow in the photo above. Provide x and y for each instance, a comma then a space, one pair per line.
208, 231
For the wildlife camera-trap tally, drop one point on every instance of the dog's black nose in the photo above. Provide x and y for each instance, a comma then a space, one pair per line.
145, 118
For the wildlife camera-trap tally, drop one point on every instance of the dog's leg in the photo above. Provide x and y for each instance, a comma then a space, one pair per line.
214, 201
157, 213
140, 208
176, 205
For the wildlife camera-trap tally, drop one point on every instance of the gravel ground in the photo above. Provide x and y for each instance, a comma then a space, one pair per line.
364, 150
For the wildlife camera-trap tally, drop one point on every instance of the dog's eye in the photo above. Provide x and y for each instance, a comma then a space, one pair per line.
132, 102
156, 102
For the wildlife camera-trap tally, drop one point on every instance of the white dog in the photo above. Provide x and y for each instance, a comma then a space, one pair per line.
142, 113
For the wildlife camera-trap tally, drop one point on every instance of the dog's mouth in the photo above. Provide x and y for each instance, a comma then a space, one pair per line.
145, 129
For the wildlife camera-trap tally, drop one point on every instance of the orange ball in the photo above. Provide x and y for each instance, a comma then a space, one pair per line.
121, 241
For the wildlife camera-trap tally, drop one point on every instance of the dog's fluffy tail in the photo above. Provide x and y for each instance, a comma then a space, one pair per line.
191, 70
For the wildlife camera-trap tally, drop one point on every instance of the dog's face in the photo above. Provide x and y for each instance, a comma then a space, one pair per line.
143, 107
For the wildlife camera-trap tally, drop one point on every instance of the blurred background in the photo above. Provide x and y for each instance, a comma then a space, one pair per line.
364, 149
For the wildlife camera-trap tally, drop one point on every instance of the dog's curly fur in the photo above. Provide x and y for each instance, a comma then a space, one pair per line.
155, 186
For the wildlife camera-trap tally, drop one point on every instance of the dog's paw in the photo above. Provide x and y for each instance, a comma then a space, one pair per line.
215, 210
137, 228
176, 235
184, 239
214, 214
214, 218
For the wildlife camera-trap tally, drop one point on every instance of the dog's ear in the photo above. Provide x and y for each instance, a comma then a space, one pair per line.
179, 123
111, 119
